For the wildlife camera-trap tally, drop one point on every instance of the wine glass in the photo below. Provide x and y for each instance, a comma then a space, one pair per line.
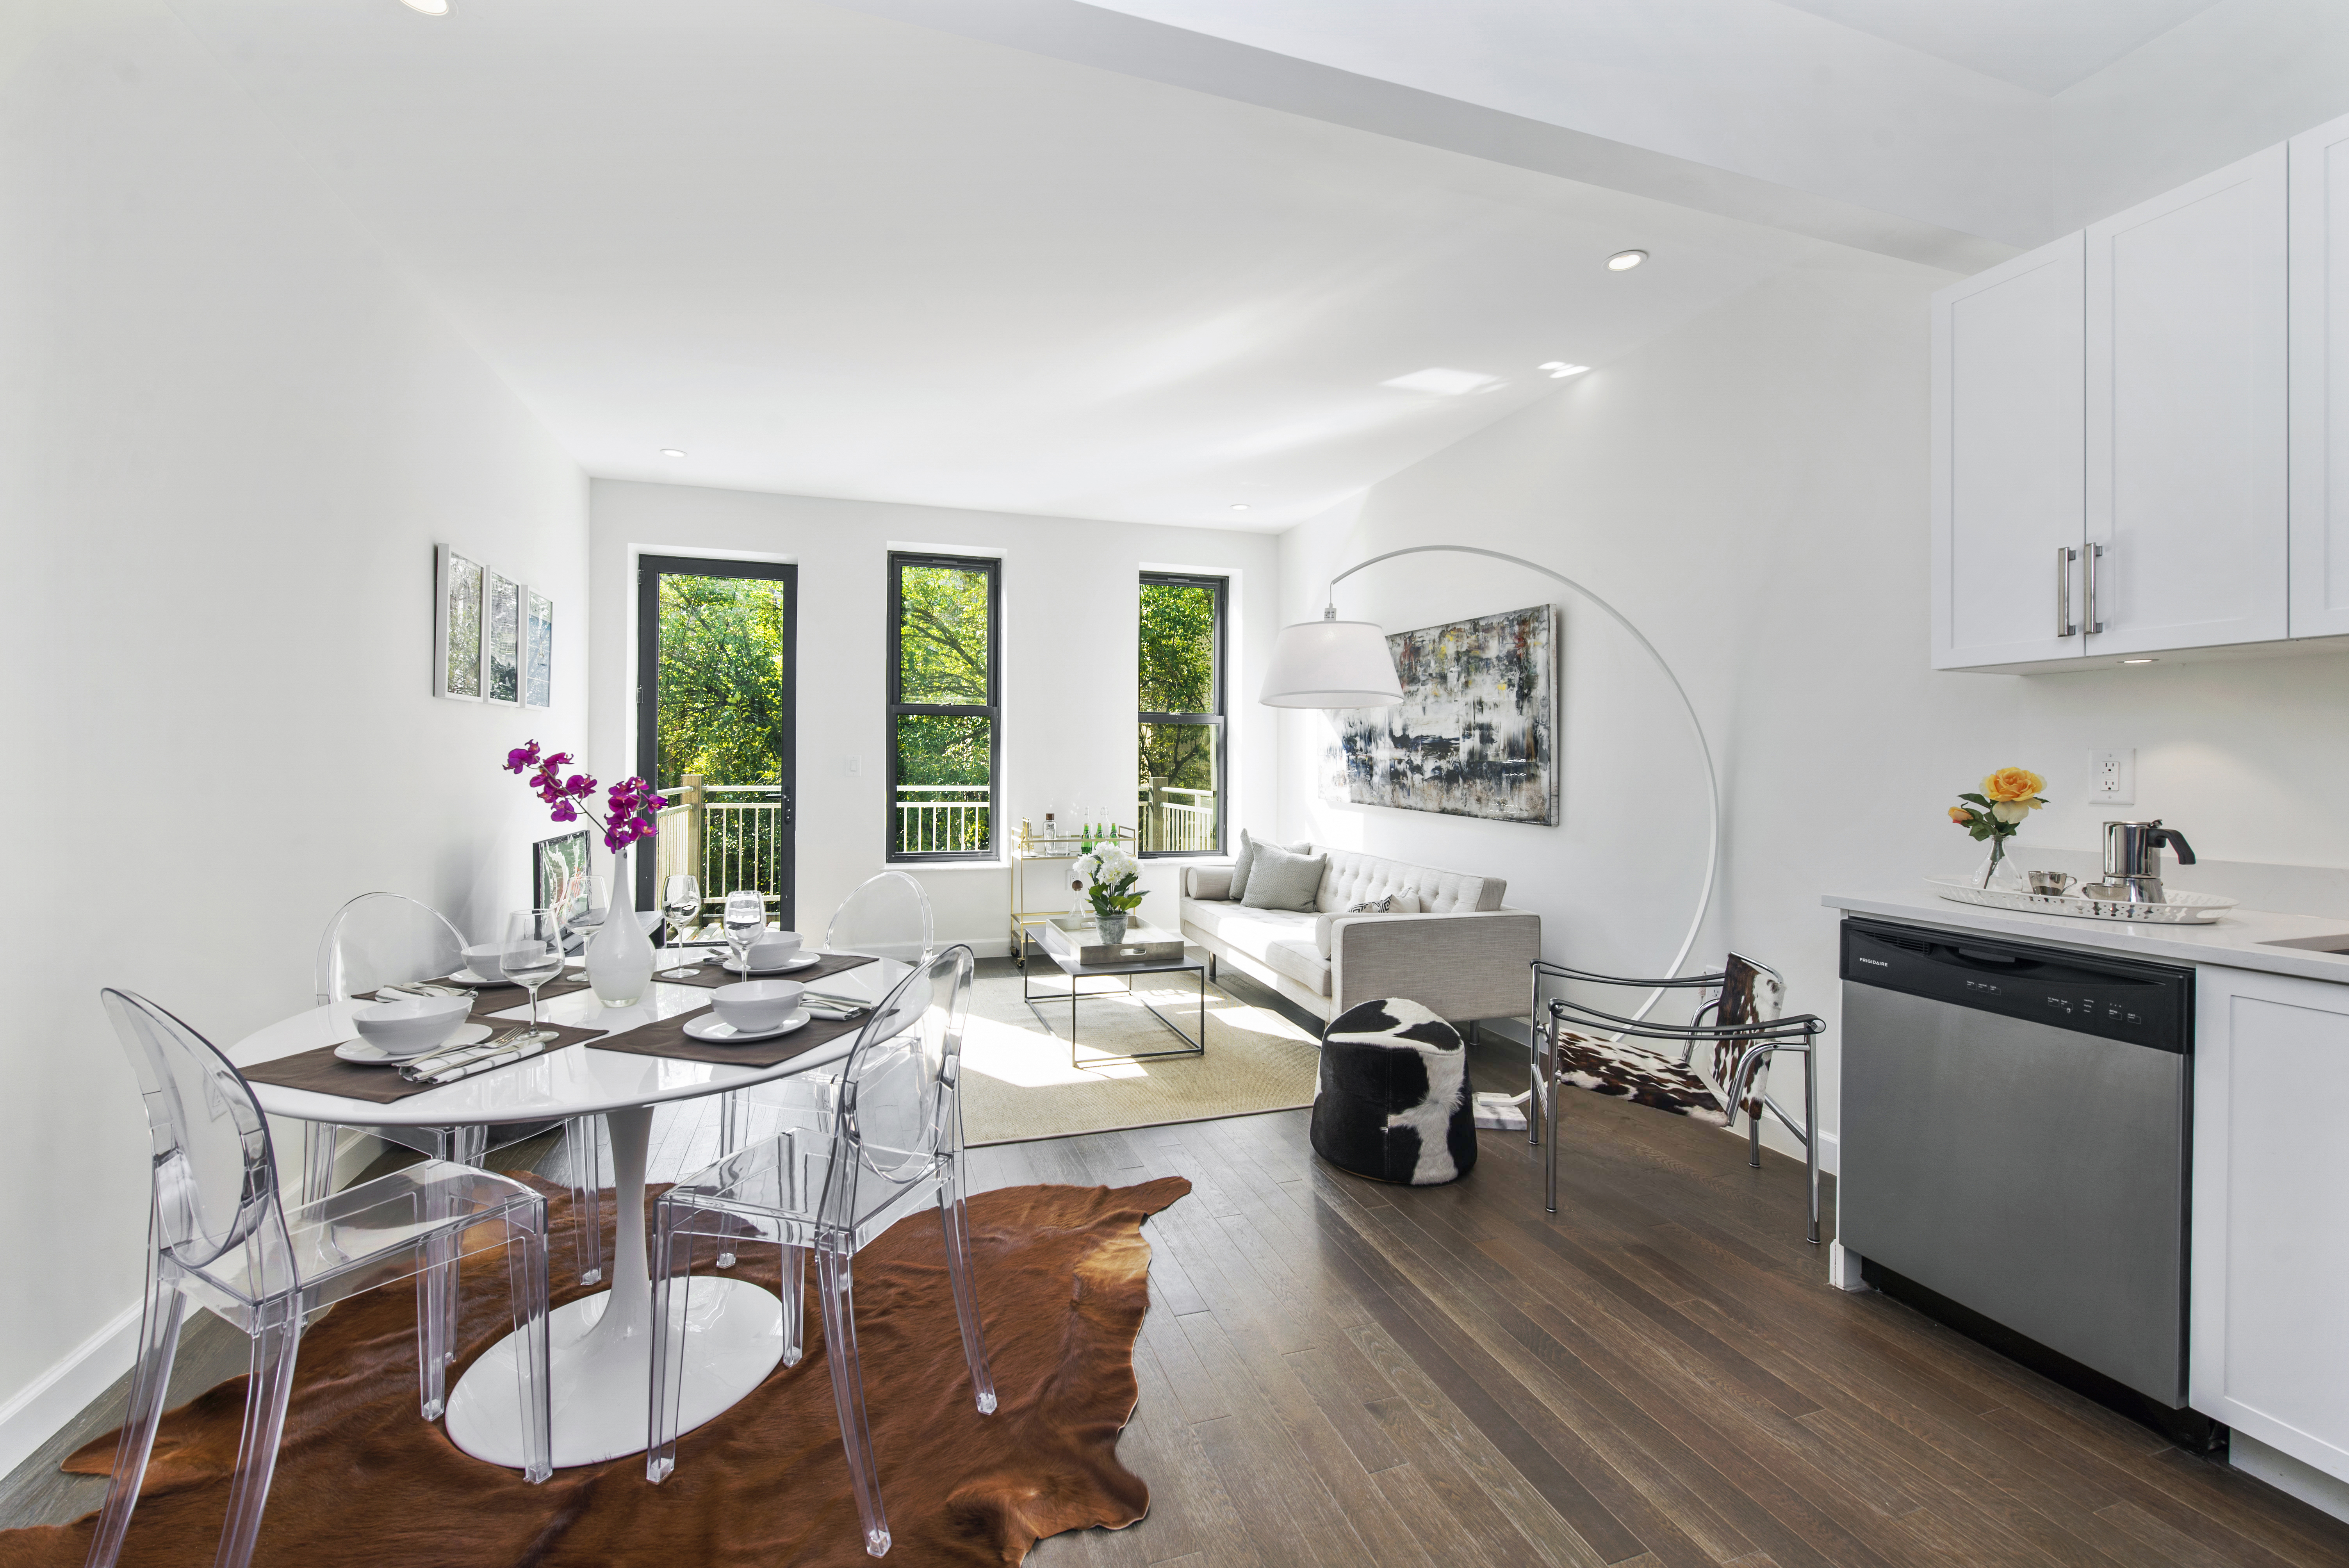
532, 954
746, 921
681, 902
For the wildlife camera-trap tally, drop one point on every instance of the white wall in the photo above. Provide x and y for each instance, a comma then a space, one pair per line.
1070, 603
229, 438
1751, 492
2239, 76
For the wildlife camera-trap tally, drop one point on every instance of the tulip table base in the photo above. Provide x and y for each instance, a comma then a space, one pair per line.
602, 1346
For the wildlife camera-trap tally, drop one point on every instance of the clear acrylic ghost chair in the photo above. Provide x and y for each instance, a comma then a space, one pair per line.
389, 939
894, 1145
887, 916
220, 1234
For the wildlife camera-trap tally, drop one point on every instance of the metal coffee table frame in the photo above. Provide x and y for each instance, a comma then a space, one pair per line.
1063, 956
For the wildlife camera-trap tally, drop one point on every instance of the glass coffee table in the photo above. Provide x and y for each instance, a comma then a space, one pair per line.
1147, 950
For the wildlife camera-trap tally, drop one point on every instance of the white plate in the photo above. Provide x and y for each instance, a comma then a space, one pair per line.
467, 978
368, 1056
710, 1030
801, 962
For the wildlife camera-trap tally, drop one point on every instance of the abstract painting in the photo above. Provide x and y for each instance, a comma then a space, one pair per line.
1476, 732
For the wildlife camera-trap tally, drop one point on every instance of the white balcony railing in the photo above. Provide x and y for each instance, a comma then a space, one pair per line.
1177, 821
943, 818
727, 837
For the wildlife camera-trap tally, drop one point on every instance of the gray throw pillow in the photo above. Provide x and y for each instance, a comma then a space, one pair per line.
1282, 880
1244, 861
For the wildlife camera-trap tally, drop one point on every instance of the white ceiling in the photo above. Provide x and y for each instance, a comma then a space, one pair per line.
832, 253
2045, 45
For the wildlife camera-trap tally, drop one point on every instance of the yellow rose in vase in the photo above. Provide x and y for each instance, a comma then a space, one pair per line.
2013, 784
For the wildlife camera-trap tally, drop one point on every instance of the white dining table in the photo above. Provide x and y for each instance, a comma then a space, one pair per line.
601, 1344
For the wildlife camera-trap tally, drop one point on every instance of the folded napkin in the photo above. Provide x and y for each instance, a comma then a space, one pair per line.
464, 1061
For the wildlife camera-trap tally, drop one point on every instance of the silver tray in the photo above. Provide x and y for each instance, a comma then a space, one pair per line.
2181, 908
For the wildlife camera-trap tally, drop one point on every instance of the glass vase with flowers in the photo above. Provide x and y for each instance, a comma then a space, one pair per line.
1106, 876
2006, 799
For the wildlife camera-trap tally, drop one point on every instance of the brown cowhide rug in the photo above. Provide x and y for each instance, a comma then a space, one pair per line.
362, 1480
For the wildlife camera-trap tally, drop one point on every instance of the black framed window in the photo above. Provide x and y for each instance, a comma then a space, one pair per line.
946, 718
1182, 753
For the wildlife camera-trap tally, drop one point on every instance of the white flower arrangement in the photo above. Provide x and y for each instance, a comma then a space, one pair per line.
1106, 878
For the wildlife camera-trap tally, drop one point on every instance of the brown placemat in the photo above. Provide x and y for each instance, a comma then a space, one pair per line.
713, 975
505, 994
668, 1038
320, 1071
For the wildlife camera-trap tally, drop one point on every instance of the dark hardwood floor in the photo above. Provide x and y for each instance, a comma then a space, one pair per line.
1340, 1372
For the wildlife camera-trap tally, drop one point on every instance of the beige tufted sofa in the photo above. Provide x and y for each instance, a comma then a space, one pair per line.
1464, 956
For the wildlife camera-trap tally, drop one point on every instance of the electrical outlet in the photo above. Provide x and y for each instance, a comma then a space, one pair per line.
2112, 778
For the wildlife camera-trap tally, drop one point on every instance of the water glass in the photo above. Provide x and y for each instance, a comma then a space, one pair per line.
681, 902
746, 921
532, 954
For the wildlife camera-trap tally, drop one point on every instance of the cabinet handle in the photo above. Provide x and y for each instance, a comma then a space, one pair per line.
2064, 556
2096, 554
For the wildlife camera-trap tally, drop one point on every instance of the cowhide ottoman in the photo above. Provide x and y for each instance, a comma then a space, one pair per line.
1395, 1101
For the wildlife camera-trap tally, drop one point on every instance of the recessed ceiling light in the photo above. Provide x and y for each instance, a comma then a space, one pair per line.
430, 7
1444, 383
1239, 506
1559, 369
671, 452
1624, 260
2140, 661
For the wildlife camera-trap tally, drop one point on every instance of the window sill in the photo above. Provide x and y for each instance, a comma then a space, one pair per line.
919, 867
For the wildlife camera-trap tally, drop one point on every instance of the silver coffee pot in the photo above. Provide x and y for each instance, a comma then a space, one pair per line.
2133, 861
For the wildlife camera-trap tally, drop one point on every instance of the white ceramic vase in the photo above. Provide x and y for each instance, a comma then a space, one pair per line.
620, 954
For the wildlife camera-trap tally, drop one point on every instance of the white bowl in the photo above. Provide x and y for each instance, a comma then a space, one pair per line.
483, 961
774, 950
411, 1027
756, 1006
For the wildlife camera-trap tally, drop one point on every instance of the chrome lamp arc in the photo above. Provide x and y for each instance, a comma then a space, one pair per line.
1333, 664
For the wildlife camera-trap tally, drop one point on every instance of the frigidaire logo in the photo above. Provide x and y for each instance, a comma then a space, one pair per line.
1878, 961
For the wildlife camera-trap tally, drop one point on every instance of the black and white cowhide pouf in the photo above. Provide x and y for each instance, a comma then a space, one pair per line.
1393, 1101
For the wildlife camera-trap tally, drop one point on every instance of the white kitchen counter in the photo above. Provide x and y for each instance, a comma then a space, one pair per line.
2236, 942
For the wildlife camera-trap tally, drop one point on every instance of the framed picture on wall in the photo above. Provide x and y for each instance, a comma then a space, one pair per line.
457, 626
538, 650
501, 638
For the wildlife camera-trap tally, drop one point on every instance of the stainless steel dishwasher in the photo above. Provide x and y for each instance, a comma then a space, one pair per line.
2017, 1126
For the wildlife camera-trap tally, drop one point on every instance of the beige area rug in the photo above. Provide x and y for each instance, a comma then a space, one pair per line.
1017, 1083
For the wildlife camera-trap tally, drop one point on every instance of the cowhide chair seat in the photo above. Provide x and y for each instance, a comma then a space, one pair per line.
1393, 1101
1624, 1071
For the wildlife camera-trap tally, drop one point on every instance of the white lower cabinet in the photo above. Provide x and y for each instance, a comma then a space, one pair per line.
2269, 1341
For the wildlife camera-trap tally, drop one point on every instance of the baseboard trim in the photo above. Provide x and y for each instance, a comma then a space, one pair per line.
40, 1410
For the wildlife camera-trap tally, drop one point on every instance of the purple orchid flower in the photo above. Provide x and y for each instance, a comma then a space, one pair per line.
628, 804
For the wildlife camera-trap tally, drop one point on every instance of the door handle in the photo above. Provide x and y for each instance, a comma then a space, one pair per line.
2064, 556
2096, 554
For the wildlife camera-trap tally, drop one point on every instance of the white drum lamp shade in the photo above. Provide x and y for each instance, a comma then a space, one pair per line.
1331, 664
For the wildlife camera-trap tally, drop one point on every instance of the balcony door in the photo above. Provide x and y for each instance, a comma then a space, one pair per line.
717, 704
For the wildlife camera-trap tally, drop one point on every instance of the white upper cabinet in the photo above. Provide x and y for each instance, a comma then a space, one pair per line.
2008, 372
2320, 381
2186, 487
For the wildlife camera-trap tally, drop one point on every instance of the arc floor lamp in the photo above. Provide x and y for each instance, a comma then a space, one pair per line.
1333, 663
